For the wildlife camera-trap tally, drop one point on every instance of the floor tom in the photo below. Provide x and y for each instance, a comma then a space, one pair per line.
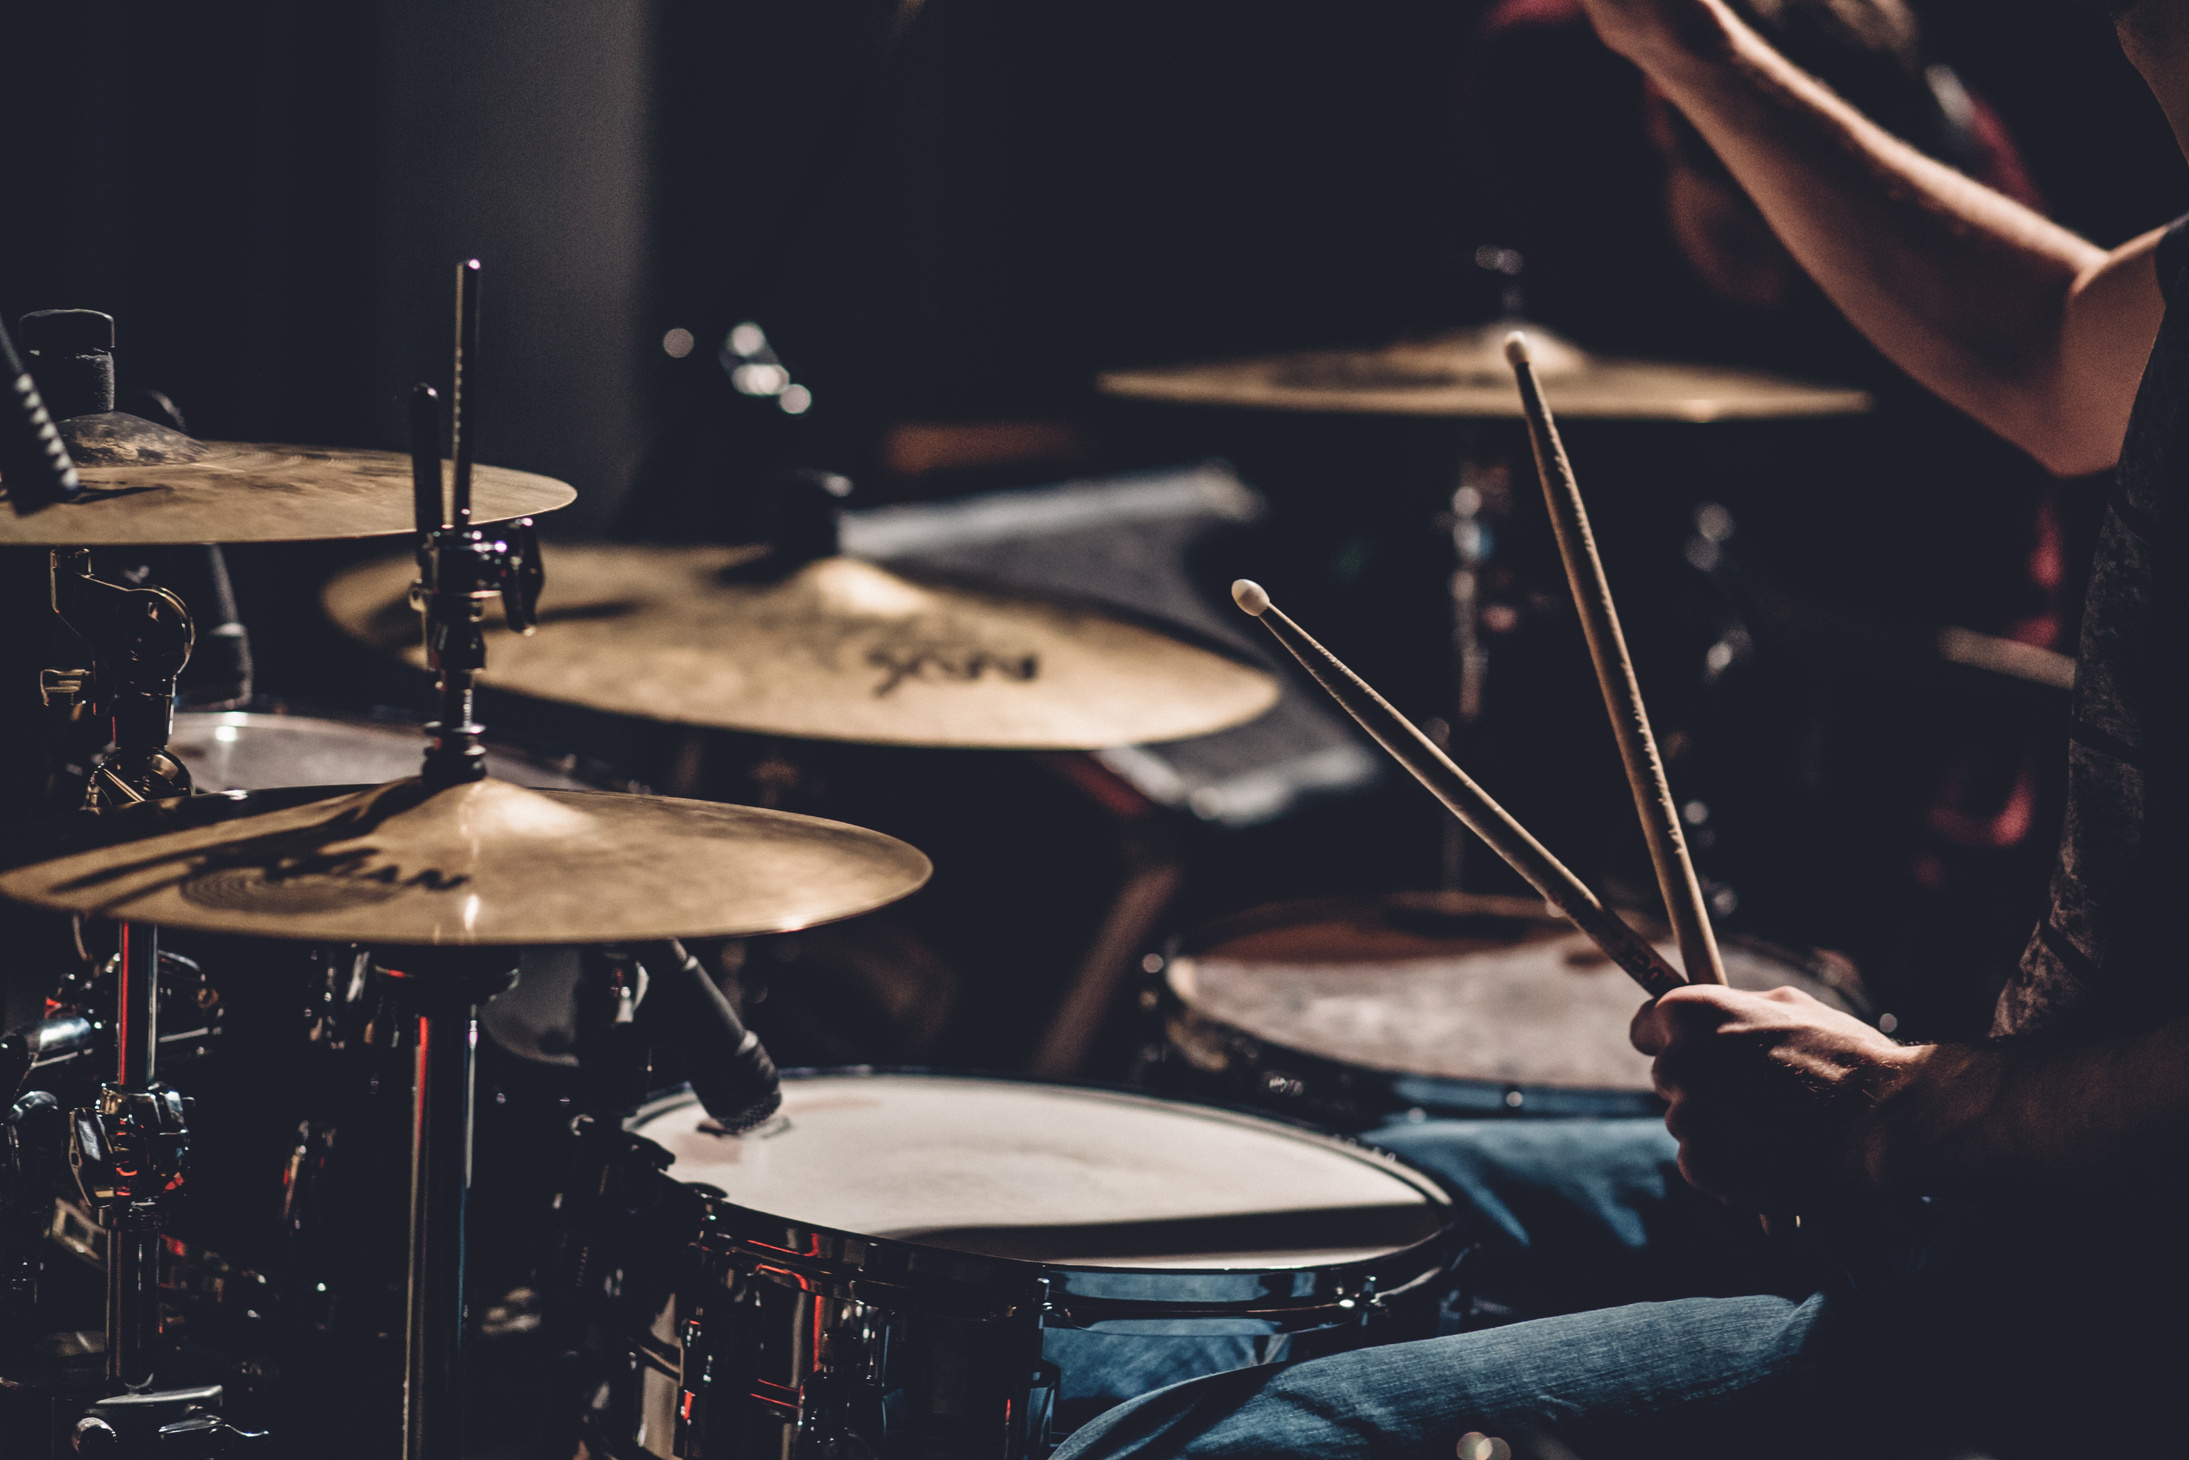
1352, 1011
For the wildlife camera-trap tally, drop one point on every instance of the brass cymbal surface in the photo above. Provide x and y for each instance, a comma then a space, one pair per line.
486, 863
1464, 375
840, 649
146, 485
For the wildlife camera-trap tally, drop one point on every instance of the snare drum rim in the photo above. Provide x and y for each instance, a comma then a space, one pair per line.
1062, 1295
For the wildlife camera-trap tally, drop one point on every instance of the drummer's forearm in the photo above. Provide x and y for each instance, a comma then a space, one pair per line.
2006, 1117
1983, 300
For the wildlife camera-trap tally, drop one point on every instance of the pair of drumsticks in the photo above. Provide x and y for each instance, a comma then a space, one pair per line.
1629, 720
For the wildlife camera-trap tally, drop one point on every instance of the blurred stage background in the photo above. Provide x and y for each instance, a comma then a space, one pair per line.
946, 243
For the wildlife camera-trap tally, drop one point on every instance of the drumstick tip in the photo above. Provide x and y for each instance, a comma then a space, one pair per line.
1250, 596
1516, 348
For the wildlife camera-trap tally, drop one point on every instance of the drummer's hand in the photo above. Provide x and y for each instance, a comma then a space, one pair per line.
1771, 1095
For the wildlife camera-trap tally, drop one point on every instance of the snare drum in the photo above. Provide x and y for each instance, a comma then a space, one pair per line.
918, 1265
1350, 1012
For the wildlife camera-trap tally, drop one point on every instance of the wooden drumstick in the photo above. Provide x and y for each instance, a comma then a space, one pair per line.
1464, 799
1683, 895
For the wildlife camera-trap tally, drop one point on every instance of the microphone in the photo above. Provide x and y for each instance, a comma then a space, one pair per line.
730, 1071
219, 674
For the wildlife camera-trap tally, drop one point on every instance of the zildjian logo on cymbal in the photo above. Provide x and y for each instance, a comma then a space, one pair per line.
310, 883
947, 664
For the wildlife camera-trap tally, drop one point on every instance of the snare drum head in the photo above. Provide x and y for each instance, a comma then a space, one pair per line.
248, 750
1054, 1174
1482, 989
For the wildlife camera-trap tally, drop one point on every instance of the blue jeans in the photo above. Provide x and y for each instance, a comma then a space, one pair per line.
1658, 1324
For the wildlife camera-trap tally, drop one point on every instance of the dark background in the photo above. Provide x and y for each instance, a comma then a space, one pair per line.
269, 198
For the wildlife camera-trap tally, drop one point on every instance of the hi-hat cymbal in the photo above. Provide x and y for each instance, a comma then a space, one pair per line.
1464, 374
145, 485
839, 650
487, 863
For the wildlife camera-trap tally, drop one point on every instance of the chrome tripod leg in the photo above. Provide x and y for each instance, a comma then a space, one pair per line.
446, 990
130, 1156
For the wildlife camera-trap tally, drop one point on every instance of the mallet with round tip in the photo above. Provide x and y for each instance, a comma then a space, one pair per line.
1683, 895
1464, 799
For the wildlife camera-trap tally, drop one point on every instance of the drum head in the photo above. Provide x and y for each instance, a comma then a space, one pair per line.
1055, 1174
1480, 989
247, 750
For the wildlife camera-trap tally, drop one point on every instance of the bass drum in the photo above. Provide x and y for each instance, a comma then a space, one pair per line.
908, 1265
1353, 1011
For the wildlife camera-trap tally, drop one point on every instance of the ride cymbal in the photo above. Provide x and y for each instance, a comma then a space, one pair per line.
839, 649
1464, 374
486, 863
145, 485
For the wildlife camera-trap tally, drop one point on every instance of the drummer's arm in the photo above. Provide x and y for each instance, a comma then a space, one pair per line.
1776, 1099
2037, 333
1994, 1119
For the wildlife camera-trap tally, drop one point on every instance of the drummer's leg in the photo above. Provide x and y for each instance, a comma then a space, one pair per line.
2017, 1331
1700, 1379
1576, 1214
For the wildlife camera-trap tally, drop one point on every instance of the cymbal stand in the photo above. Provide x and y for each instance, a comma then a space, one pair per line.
445, 987
1470, 544
130, 1151
1470, 657
131, 1155
140, 639
459, 567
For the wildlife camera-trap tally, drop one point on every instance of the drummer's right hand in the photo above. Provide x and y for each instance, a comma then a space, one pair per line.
1772, 1096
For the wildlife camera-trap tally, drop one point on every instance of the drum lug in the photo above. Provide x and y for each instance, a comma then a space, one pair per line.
841, 1405
1041, 1394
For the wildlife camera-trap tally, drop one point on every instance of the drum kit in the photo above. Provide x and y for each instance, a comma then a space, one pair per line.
828, 1263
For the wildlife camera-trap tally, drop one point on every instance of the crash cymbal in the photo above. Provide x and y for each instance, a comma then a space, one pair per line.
839, 650
487, 863
1464, 374
145, 485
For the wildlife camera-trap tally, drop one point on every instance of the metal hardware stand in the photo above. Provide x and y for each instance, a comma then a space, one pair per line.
446, 988
131, 1151
459, 567
1470, 656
